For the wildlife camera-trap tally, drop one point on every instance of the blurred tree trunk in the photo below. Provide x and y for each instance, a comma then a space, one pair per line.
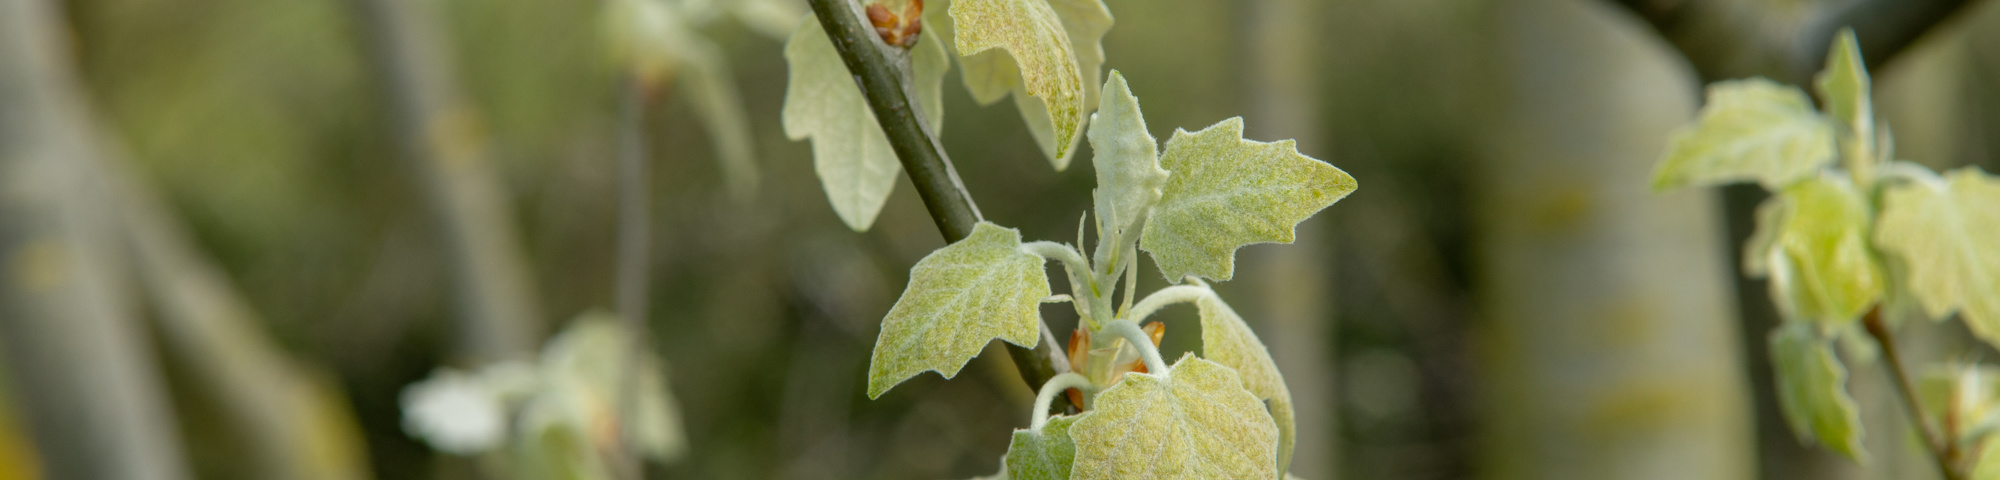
441, 141
1609, 346
1291, 307
291, 421
82, 366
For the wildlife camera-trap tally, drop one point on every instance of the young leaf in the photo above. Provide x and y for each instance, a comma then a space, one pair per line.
1948, 235
1227, 340
1819, 262
850, 153
1844, 86
1033, 35
1194, 421
1129, 177
1810, 390
960, 298
992, 75
1752, 129
1043, 455
1227, 192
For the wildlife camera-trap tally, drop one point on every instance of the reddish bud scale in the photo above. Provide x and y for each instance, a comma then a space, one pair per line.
899, 30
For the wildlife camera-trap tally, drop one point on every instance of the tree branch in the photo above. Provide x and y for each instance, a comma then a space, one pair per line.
78, 359
440, 141
1726, 39
1943, 449
634, 260
882, 83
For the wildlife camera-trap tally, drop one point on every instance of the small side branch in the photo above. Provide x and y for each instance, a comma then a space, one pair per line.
1943, 449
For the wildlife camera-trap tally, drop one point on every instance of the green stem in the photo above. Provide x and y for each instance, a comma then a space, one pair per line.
1053, 389
1131, 332
1164, 297
1943, 450
923, 158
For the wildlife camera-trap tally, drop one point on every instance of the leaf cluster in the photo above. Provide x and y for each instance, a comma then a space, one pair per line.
1848, 233
1190, 205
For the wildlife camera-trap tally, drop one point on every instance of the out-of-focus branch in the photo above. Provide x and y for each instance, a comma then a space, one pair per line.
442, 143
882, 83
1944, 450
634, 260
293, 421
81, 365
1726, 39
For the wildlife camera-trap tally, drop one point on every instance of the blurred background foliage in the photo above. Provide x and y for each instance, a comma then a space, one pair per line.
1458, 317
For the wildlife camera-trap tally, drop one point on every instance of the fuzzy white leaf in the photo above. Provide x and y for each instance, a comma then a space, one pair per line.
960, 298
1226, 192
1948, 236
1193, 422
852, 156
1129, 177
1751, 129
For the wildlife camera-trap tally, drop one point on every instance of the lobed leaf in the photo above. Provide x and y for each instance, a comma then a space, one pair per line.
1818, 255
1227, 340
1038, 42
1811, 390
852, 156
960, 298
1042, 455
1129, 177
1752, 129
1195, 421
1948, 236
1226, 192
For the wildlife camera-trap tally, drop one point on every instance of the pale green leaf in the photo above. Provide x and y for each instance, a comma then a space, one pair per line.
1086, 22
1226, 192
1227, 340
1129, 177
1819, 260
1751, 129
960, 298
1194, 422
1948, 236
1034, 36
852, 156
992, 75
1845, 86
588, 366
1811, 390
1764, 239
1043, 455
1986, 460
